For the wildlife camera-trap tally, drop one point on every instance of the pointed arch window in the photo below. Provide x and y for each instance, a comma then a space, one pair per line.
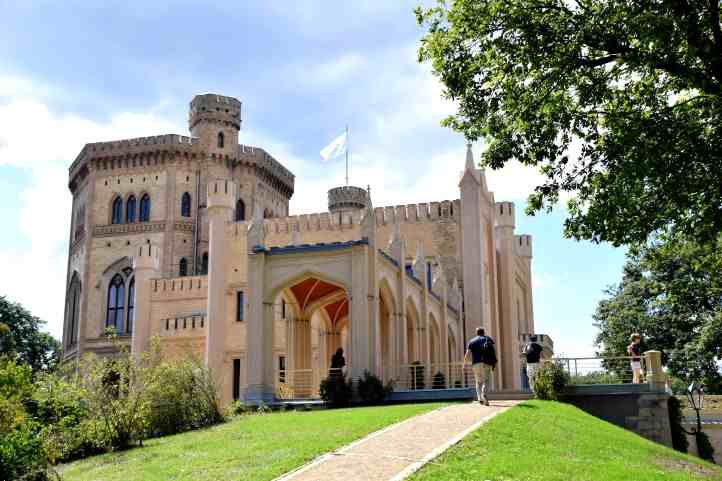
117, 217
116, 303
131, 306
240, 211
144, 215
73, 311
130, 210
186, 205
183, 267
204, 263
221, 140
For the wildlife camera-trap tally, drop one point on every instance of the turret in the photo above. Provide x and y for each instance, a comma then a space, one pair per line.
505, 214
215, 120
522, 245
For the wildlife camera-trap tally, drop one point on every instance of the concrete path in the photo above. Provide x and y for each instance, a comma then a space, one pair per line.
397, 451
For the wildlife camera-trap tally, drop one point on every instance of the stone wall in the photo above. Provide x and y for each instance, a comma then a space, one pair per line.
714, 432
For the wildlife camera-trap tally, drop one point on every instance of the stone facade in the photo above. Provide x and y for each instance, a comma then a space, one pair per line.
189, 239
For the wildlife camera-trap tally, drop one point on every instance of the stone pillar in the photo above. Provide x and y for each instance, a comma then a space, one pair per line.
146, 263
471, 189
220, 203
398, 252
656, 378
259, 332
508, 344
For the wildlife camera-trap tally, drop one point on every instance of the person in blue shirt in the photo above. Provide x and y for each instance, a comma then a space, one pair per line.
480, 351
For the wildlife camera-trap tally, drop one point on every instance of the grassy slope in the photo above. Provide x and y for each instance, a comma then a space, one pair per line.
547, 441
254, 447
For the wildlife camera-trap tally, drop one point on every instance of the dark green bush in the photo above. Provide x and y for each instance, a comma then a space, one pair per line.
335, 390
704, 447
679, 438
438, 381
417, 375
371, 390
182, 396
550, 381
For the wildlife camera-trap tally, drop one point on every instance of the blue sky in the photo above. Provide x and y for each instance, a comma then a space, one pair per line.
74, 72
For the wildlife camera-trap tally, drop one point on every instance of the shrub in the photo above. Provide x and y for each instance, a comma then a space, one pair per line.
679, 438
370, 389
417, 375
236, 408
549, 381
182, 396
335, 390
704, 447
438, 381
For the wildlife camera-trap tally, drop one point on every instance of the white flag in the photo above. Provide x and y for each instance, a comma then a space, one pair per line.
335, 148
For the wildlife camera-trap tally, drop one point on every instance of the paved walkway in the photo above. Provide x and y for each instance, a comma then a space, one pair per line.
398, 450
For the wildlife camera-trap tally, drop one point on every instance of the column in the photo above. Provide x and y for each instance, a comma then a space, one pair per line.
221, 196
146, 263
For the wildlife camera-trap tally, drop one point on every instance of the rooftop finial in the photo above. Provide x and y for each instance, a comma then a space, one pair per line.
469, 157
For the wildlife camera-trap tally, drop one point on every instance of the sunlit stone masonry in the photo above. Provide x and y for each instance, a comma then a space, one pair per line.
189, 239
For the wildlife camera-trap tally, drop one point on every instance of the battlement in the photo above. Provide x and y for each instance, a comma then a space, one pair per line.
214, 108
264, 160
179, 287
146, 256
505, 215
222, 193
347, 198
423, 212
522, 245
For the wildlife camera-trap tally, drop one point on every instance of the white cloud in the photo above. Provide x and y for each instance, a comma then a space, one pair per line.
44, 144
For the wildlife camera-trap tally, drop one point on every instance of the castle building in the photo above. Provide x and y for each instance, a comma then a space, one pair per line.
189, 239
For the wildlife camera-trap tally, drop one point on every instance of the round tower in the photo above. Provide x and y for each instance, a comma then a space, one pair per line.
347, 198
215, 120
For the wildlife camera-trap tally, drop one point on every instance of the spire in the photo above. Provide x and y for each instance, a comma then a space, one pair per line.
469, 158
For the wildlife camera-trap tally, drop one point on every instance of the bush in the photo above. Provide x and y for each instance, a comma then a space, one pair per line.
438, 381
417, 375
550, 381
335, 390
371, 390
679, 438
704, 447
182, 396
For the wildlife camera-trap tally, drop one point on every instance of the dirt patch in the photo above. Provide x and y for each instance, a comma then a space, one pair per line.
687, 467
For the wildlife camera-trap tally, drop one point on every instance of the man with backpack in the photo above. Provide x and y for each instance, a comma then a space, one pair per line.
533, 352
482, 354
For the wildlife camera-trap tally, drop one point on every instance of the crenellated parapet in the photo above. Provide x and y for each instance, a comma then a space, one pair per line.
423, 212
214, 108
522, 245
347, 198
222, 193
504, 214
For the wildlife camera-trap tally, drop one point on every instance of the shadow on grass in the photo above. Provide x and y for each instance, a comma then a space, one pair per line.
526, 406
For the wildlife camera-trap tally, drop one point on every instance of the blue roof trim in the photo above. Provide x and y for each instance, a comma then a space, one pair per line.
436, 296
388, 258
452, 309
320, 247
410, 275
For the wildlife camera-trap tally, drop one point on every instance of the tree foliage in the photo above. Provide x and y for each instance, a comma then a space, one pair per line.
671, 293
21, 338
618, 103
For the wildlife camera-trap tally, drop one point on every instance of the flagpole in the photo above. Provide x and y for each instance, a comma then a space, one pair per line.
347, 146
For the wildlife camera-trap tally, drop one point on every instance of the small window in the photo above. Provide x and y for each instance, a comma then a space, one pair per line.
183, 267
221, 140
236, 379
240, 211
239, 306
144, 215
117, 217
283, 308
281, 368
130, 210
204, 263
186, 205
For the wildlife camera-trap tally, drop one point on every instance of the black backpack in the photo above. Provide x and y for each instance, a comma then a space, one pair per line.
533, 352
488, 353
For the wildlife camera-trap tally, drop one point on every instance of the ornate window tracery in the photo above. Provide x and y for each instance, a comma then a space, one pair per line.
116, 303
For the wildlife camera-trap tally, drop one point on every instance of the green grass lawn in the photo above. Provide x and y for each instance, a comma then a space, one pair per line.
253, 447
547, 441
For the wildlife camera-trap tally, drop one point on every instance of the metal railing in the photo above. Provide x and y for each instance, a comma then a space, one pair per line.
302, 383
416, 376
600, 370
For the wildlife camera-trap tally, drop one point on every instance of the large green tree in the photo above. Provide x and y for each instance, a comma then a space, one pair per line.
22, 339
618, 102
671, 293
